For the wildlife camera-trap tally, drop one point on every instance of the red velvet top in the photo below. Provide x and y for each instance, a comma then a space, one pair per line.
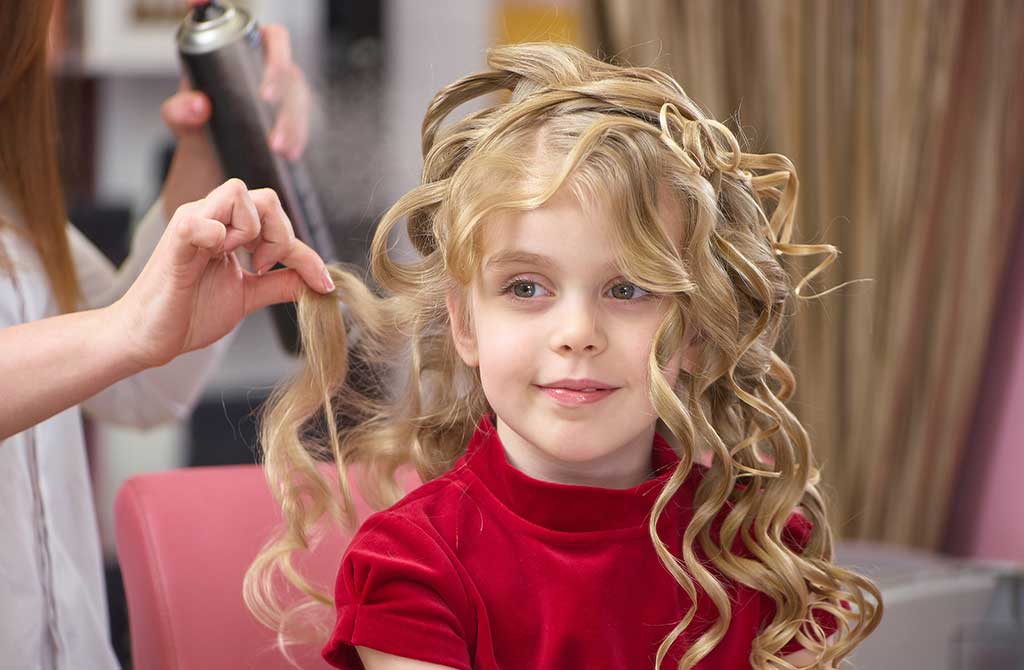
487, 568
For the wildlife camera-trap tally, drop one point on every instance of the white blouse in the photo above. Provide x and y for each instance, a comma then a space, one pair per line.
53, 608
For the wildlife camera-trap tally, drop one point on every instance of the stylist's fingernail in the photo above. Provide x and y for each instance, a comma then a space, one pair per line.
268, 92
196, 106
328, 282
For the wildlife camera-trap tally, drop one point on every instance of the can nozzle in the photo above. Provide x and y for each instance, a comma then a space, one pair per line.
208, 12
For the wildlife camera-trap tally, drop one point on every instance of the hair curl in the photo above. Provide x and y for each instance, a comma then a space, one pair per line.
625, 134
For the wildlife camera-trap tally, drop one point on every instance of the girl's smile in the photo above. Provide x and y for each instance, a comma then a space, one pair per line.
574, 392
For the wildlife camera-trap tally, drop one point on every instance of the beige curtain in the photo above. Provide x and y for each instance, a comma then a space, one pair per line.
905, 122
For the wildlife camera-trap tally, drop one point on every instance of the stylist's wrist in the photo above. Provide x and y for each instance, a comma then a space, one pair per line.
194, 172
117, 338
195, 169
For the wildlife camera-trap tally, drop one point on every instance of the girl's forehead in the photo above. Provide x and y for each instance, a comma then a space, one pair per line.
565, 227
562, 226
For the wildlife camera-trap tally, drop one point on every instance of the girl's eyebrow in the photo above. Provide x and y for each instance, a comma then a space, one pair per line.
520, 257
517, 256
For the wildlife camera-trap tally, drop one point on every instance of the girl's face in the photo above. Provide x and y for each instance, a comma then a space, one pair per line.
551, 313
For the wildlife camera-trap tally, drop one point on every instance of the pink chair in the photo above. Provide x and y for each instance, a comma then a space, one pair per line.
185, 539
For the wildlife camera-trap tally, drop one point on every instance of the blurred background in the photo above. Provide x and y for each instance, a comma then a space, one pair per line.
904, 120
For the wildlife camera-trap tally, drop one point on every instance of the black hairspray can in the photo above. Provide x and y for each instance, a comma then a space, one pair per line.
221, 48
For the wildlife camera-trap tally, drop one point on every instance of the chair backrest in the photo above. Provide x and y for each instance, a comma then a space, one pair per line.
185, 539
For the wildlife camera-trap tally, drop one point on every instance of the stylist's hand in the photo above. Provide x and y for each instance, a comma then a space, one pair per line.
193, 291
195, 168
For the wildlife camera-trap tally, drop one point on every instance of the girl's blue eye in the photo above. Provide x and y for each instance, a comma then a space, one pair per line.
525, 289
627, 291
522, 288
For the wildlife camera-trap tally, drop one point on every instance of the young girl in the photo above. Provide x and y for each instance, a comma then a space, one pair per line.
590, 392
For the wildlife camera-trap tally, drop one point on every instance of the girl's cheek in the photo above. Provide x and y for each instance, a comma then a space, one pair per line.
635, 345
506, 346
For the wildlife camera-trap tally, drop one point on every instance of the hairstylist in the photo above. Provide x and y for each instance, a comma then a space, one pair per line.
78, 335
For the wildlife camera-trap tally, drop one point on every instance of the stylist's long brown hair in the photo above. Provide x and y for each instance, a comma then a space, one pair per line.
28, 145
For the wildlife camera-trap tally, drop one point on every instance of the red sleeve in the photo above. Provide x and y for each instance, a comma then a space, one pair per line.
796, 535
398, 592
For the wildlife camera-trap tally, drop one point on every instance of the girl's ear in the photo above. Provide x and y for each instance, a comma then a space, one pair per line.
692, 351
462, 327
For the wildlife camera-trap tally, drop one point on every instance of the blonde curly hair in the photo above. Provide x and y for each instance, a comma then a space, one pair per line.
625, 134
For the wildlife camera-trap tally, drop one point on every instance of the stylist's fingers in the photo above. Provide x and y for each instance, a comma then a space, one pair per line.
277, 237
186, 111
309, 266
191, 232
285, 87
230, 217
290, 134
278, 244
232, 204
284, 285
277, 69
305, 271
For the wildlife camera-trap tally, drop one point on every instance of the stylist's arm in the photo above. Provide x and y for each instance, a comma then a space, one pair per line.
191, 292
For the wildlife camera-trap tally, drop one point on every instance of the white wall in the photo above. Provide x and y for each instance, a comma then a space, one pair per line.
429, 45
129, 133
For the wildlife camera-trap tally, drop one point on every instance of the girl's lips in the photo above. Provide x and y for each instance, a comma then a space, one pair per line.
573, 397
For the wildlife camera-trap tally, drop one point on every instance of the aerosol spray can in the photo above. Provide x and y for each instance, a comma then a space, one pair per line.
221, 48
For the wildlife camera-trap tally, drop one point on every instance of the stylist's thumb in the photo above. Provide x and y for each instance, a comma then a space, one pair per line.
186, 112
277, 286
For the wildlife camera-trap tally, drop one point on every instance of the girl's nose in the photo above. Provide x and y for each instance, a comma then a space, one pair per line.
578, 329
